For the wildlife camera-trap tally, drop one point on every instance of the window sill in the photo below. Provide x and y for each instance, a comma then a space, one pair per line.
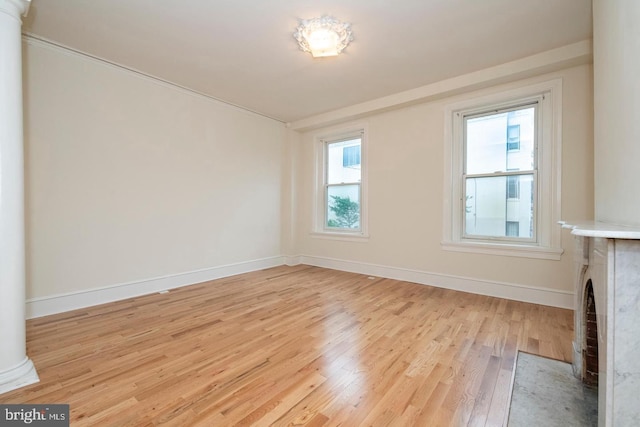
522, 251
344, 236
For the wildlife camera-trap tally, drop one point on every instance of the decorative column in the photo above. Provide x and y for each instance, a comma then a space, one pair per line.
16, 369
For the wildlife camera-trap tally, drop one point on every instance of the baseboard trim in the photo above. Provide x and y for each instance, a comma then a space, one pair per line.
512, 291
292, 260
18, 376
39, 307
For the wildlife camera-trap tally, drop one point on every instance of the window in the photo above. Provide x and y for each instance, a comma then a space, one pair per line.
351, 156
492, 173
512, 228
513, 137
340, 196
502, 178
342, 186
513, 187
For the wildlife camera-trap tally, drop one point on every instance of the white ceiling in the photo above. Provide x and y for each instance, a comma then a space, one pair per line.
243, 51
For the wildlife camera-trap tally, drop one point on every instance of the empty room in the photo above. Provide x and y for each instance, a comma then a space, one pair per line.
319, 213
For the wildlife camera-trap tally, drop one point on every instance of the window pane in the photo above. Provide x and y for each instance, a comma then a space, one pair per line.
351, 156
343, 161
500, 142
343, 206
513, 137
513, 228
513, 187
488, 207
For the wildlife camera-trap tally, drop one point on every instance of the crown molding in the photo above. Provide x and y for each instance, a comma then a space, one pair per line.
552, 60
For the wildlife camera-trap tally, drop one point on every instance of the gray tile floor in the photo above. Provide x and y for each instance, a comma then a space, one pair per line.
545, 393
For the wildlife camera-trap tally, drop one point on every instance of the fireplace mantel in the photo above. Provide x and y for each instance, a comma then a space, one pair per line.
608, 256
601, 229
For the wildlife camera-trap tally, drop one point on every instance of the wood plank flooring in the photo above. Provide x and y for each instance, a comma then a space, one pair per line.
290, 346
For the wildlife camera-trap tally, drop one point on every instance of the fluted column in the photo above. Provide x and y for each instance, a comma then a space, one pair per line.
16, 369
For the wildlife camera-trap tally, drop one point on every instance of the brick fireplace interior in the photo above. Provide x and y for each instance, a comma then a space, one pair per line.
590, 338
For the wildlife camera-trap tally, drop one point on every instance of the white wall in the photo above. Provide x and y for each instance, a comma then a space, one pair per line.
616, 62
405, 188
130, 179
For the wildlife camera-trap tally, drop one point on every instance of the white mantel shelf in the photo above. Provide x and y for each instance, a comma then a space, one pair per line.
601, 229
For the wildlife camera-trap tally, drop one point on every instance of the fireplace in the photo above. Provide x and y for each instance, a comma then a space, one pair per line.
607, 318
589, 372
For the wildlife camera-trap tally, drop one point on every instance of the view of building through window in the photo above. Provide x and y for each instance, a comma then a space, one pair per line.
500, 174
343, 182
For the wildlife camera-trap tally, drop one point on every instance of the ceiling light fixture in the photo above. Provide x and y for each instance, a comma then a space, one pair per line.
324, 36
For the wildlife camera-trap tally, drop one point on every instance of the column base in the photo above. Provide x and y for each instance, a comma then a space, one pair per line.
19, 376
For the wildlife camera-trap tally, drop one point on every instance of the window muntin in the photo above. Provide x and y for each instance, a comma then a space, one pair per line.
499, 183
342, 188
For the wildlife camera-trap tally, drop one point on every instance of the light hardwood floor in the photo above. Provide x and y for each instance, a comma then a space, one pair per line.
301, 346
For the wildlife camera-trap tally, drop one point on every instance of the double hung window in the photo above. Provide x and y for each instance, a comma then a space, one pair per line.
502, 173
340, 196
500, 182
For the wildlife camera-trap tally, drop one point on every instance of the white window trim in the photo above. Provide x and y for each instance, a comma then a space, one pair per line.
318, 221
548, 201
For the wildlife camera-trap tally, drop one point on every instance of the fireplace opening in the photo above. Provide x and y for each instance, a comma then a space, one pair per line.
590, 347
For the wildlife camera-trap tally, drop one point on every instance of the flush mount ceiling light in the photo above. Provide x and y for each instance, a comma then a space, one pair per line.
325, 36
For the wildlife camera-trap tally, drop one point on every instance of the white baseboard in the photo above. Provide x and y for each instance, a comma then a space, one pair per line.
38, 307
292, 260
18, 376
512, 291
